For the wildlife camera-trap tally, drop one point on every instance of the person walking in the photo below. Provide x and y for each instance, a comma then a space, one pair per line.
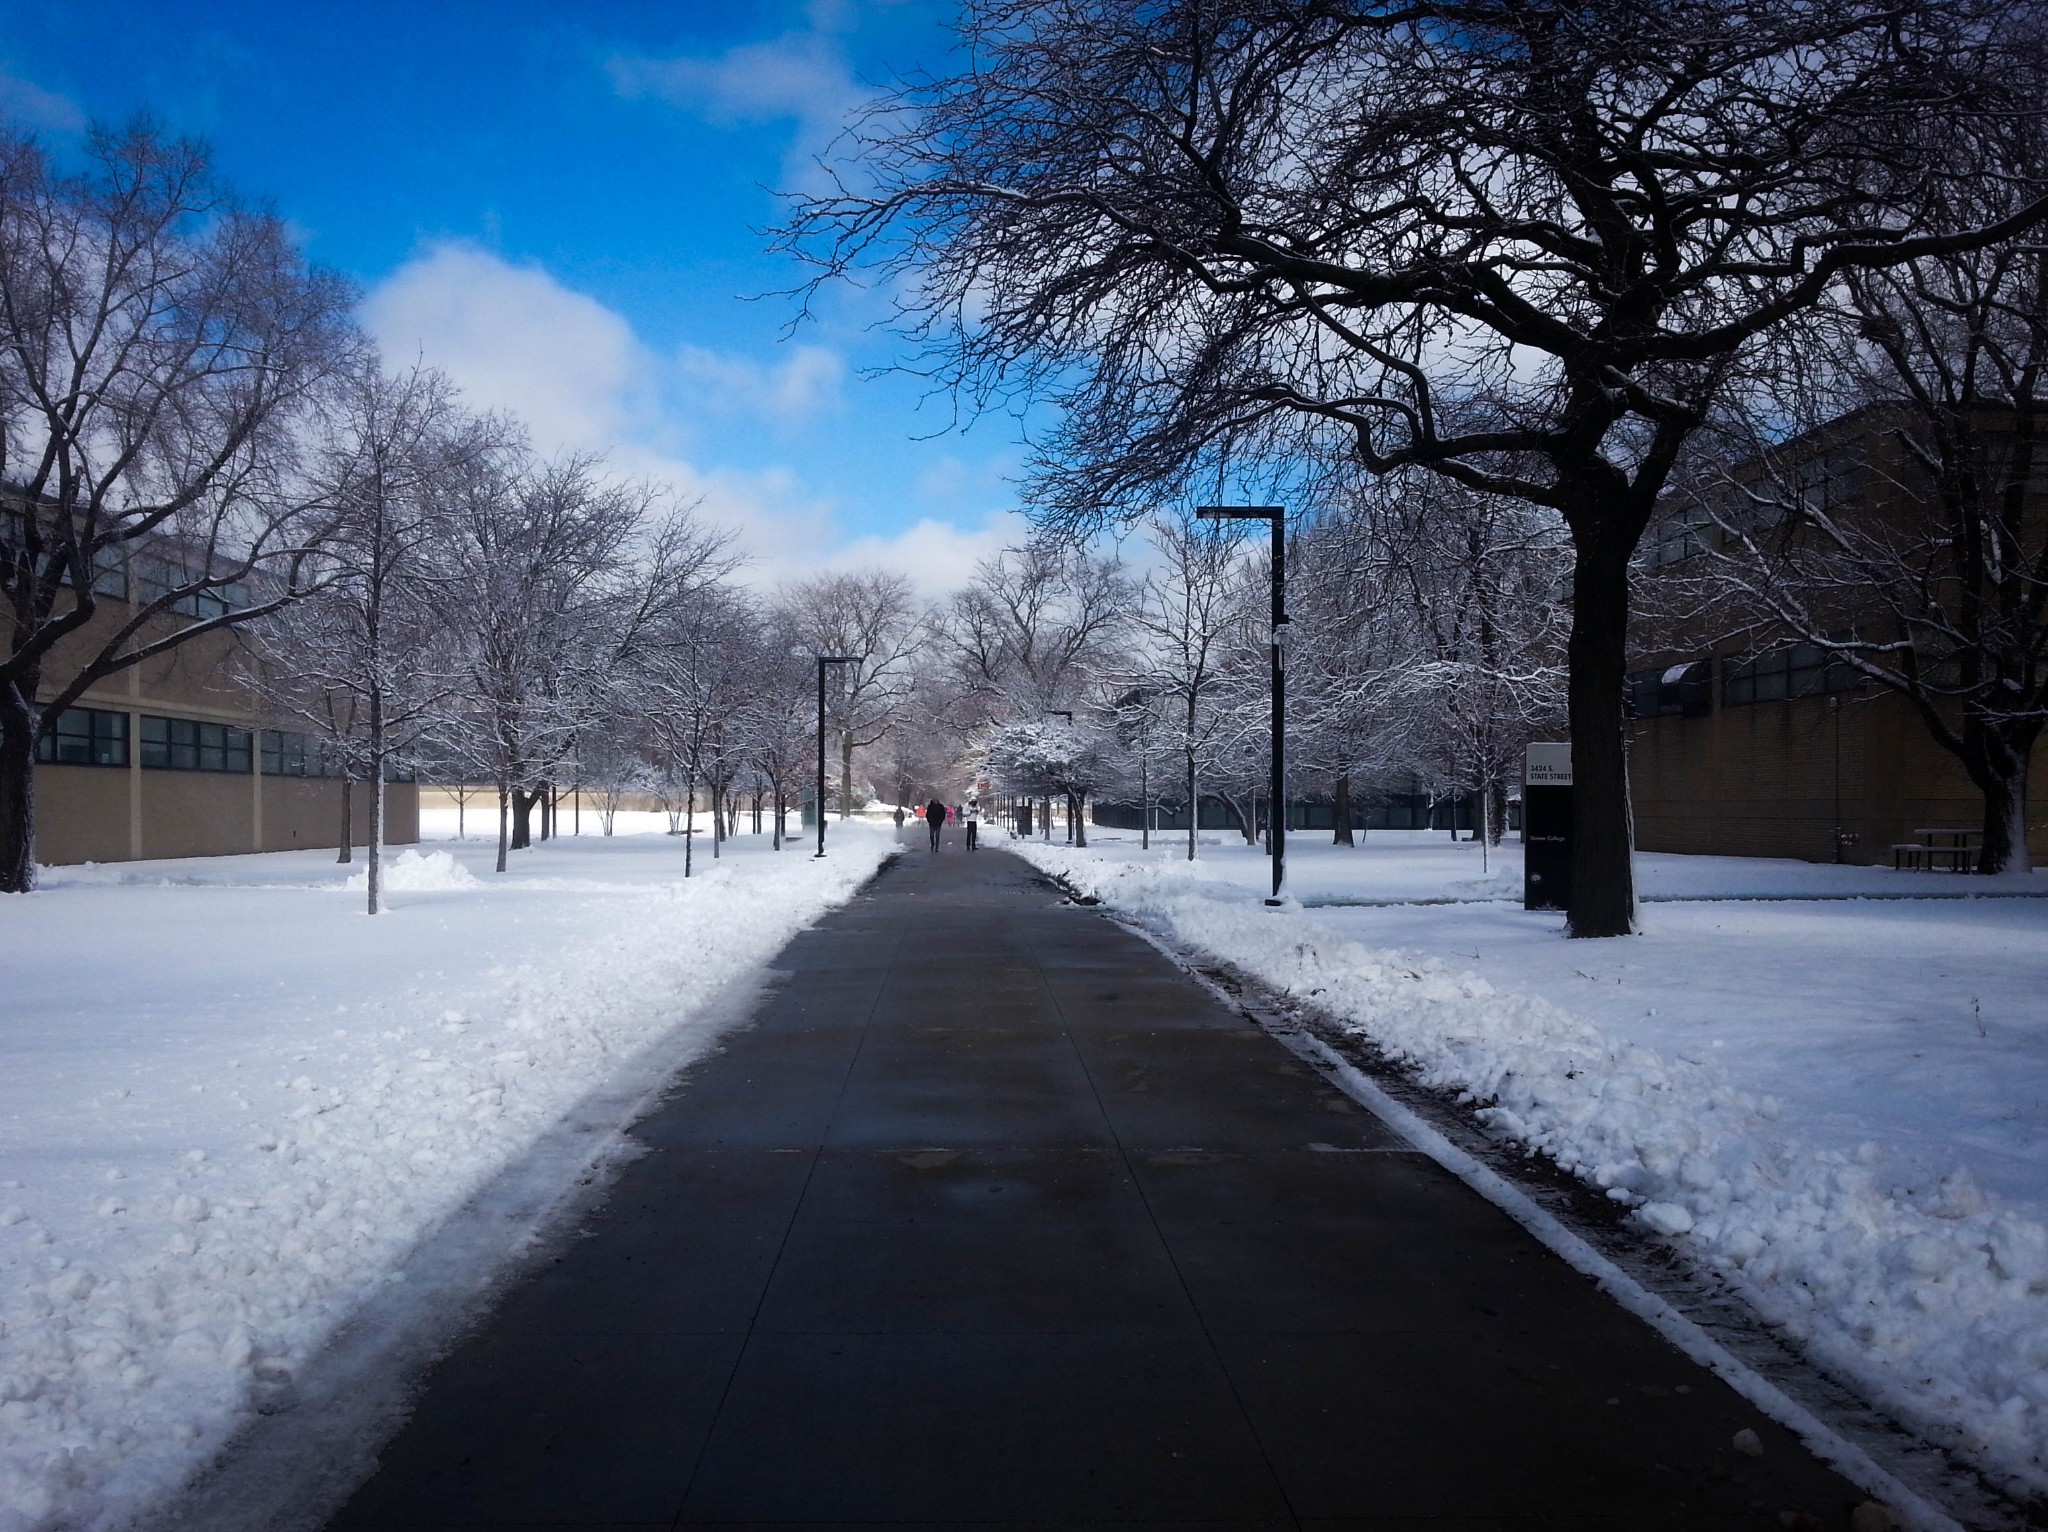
899, 819
935, 820
973, 823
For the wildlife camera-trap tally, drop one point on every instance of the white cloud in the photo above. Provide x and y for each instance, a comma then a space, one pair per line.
30, 106
798, 388
512, 337
937, 556
800, 77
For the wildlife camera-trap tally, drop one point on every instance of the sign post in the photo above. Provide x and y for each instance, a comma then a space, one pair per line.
1547, 826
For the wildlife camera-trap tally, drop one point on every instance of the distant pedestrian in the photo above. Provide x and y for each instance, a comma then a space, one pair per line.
973, 824
899, 818
935, 820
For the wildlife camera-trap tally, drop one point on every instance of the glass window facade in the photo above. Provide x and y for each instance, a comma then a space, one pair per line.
186, 744
1801, 670
85, 736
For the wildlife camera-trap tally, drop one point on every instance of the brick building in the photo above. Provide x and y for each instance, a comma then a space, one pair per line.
1757, 746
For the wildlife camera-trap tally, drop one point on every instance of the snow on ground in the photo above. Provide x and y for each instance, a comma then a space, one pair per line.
1842, 1104
231, 1103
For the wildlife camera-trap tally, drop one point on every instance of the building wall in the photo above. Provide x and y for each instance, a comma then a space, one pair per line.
1777, 778
123, 813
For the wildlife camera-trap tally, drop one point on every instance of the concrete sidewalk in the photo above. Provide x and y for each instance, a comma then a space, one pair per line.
994, 1218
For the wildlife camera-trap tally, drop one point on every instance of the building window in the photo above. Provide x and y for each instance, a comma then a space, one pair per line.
1682, 535
285, 755
1672, 691
185, 744
1801, 670
156, 578
85, 736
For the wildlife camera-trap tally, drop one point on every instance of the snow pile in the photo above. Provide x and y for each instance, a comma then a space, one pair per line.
242, 1162
418, 872
1937, 1300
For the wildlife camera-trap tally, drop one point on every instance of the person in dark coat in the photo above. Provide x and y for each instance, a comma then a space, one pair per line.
935, 820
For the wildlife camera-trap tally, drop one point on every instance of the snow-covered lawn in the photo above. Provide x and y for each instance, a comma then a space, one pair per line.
1842, 1104
231, 1103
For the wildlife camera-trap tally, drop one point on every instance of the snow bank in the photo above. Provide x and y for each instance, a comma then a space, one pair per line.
215, 1150
1936, 1300
414, 872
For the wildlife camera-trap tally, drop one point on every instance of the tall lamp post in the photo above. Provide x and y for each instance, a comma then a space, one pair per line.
823, 661
1276, 517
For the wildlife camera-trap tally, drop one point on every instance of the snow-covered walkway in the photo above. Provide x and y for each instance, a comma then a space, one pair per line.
231, 1103
1843, 1105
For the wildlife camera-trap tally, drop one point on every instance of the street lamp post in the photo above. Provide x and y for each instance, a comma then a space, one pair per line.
823, 661
1276, 517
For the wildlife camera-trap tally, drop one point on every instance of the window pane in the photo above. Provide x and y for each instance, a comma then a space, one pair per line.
110, 739
156, 742
237, 750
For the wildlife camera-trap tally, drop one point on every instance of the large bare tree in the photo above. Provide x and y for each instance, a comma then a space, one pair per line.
161, 349
1528, 247
873, 616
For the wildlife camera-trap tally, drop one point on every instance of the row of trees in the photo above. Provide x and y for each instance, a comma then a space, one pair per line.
196, 442
1550, 255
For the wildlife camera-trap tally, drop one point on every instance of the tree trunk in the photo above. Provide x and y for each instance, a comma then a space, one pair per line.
1603, 901
348, 832
1194, 809
845, 779
690, 821
375, 881
1997, 761
522, 818
18, 795
1340, 809
776, 828
504, 823
717, 820
376, 842
1077, 805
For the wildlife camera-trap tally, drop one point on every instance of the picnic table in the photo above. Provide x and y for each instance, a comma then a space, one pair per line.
1949, 847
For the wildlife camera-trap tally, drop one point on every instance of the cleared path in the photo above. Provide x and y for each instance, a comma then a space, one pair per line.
994, 1218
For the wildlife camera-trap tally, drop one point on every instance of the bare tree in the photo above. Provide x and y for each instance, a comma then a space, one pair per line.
1191, 607
1905, 538
1032, 630
160, 350
1530, 248
872, 615
366, 657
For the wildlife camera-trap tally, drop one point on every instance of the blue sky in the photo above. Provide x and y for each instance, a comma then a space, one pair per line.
558, 204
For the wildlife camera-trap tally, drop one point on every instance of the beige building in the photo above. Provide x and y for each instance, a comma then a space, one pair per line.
171, 758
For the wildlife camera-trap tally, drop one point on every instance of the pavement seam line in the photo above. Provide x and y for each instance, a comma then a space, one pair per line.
1830, 1446
1208, 1338
817, 1153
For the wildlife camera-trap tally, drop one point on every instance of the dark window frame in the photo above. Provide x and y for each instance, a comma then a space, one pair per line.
195, 744
1784, 674
85, 736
